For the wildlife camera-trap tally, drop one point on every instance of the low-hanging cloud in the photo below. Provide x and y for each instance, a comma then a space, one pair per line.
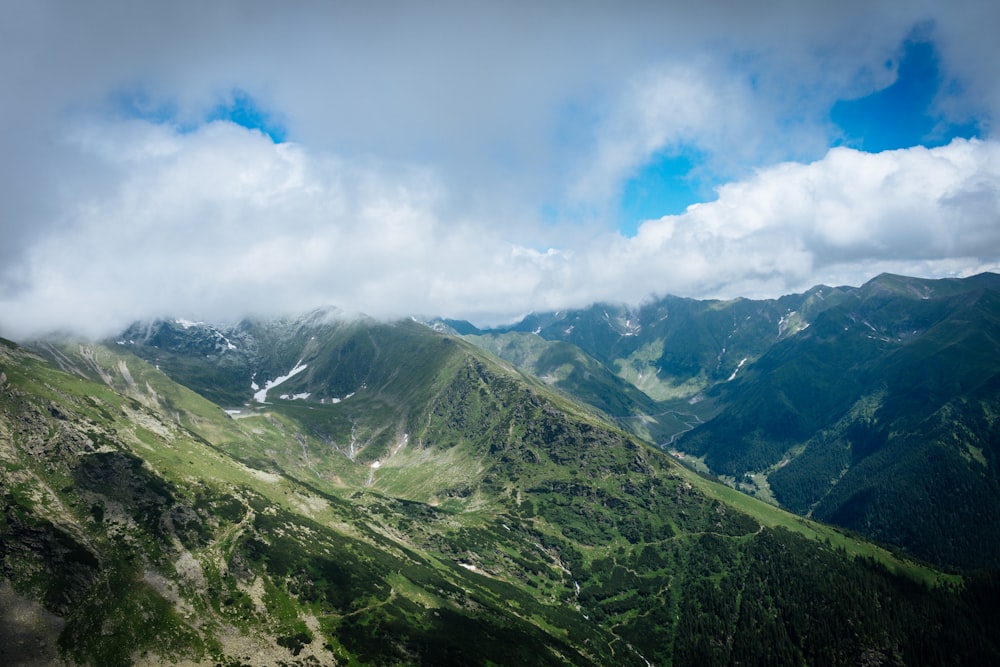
838, 220
222, 222
466, 160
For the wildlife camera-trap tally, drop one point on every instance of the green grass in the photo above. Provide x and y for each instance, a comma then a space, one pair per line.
539, 493
854, 545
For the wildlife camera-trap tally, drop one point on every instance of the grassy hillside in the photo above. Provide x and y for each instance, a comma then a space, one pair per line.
226, 562
502, 525
567, 368
873, 407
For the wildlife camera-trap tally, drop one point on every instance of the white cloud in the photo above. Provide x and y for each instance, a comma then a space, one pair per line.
221, 222
225, 223
666, 112
840, 219
428, 138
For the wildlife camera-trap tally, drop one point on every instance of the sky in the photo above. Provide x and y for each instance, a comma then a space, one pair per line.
482, 160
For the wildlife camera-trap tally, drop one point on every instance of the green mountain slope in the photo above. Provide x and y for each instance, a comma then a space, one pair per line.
674, 347
880, 417
208, 559
569, 369
503, 524
648, 367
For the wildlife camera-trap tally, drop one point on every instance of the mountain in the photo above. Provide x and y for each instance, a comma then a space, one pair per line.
567, 368
872, 408
880, 417
445, 509
649, 367
675, 347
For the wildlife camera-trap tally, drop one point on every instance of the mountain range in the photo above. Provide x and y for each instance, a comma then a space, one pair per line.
330, 490
873, 408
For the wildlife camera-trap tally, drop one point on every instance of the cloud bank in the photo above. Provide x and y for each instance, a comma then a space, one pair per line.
222, 222
469, 161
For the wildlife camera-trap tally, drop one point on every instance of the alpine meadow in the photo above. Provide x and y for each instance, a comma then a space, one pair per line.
334, 490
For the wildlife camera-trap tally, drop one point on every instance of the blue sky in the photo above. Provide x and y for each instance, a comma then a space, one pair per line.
235, 106
664, 186
482, 161
241, 109
901, 115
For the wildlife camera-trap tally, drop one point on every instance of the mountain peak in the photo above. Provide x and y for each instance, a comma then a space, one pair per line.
469, 513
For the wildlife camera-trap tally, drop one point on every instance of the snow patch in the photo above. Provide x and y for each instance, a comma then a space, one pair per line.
371, 472
738, 367
261, 395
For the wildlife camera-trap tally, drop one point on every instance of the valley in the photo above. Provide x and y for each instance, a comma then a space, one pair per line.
400, 489
803, 398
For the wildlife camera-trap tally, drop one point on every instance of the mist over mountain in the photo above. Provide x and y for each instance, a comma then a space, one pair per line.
324, 489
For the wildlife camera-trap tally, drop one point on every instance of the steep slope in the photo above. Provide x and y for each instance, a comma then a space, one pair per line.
569, 369
212, 560
352, 393
566, 541
880, 417
675, 347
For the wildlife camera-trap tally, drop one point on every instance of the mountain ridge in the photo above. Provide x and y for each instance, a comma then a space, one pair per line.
796, 367
447, 493
905, 350
568, 541
746, 411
